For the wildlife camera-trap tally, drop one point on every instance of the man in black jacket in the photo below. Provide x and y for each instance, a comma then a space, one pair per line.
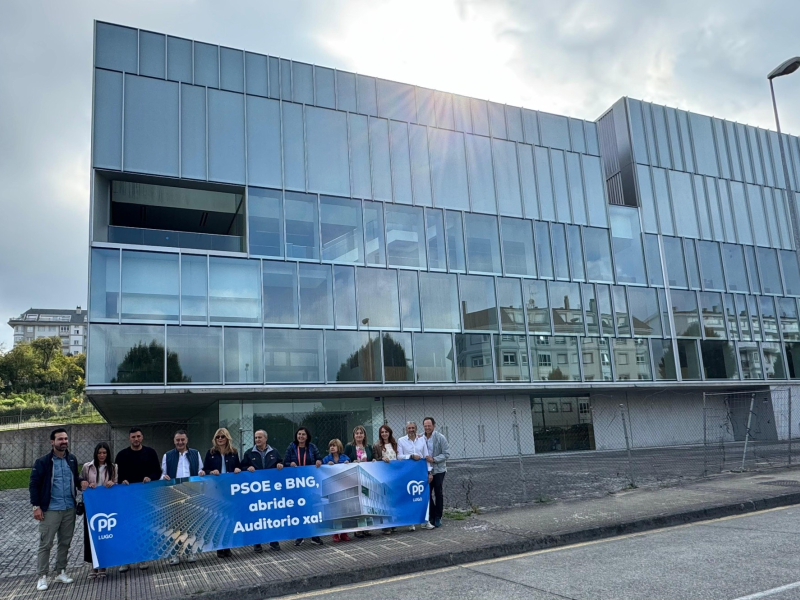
53, 488
262, 456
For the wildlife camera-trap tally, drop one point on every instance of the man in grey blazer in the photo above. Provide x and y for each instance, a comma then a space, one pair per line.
438, 453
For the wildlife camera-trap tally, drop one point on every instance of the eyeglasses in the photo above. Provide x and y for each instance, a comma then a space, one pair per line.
220, 437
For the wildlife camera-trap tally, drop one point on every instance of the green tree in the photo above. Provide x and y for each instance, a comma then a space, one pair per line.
40, 367
144, 363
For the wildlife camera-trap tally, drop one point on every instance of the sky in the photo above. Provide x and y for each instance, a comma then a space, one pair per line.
568, 57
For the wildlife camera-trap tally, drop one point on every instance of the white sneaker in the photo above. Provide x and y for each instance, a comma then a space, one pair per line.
41, 585
63, 578
192, 558
427, 525
412, 528
174, 561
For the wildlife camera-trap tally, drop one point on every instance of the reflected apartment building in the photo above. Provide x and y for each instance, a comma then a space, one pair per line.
275, 243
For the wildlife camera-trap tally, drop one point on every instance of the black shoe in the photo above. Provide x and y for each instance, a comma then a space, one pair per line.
299, 541
228, 552
258, 548
275, 546
317, 540
359, 534
220, 553
366, 534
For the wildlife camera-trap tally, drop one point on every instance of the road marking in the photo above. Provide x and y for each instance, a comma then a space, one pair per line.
777, 590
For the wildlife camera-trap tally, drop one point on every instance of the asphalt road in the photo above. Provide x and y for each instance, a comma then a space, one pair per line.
748, 557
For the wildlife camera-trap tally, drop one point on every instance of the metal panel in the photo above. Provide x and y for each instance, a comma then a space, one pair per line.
151, 126
226, 137
107, 131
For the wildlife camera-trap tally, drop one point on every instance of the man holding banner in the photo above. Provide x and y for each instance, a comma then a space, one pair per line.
262, 456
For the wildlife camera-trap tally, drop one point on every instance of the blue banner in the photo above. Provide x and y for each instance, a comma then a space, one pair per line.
162, 519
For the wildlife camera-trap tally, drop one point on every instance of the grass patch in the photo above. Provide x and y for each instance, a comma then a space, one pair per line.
14, 479
542, 499
457, 514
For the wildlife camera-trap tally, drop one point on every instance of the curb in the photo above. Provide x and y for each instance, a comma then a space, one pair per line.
524, 544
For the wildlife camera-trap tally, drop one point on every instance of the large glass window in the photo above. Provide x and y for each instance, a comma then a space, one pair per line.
555, 358
793, 359
127, 354
664, 360
478, 303
405, 236
265, 222
596, 359
483, 244
665, 321
316, 295
565, 303
292, 356
455, 242
373, 233
198, 352
663, 202
731, 317
621, 311
684, 313
632, 360
719, 360
626, 240
543, 247
474, 357
280, 293
606, 314
773, 361
652, 255
505, 168
544, 183
434, 357
434, 231
481, 176
509, 296
770, 273
598, 255
342, 237
398, 357
752, 269
691, 263
105, 284
234, 290
758, 218
439, 296
150, 286
352, 356
683, 202
448, 169
560, 256
590, 308
787, 310
518, 251
537, 306
378, 299
194, 288
645, 313
791, 272
344, 290
410, 316
735, 271
755, 322
769, 319
750, 361
326, 151
741, 214
676, 272
711, 266
302, 227
713, 315
511, 358
688, 360
243, 355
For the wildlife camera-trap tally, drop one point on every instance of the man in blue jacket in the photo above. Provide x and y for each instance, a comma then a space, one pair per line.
262, 456
53, 488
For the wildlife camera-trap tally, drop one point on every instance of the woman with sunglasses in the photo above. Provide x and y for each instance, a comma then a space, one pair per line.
222, 458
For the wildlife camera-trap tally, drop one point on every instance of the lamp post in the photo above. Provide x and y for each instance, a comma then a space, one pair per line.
786, 68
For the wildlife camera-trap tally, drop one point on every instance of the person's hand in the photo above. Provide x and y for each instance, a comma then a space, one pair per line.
237, 470
215, 472
279, 466
125, 481
38, 514
429, 459
201, 473
166, 478
251, 469
145, 480
92, 485
415, 457
430, 477
84, 485
385, 459
347, 461
330, 462
319, 463
293, 464
108, 483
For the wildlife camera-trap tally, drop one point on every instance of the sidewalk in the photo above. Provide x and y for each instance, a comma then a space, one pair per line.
251, 576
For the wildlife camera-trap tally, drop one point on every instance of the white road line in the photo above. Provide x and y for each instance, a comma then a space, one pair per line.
777, 590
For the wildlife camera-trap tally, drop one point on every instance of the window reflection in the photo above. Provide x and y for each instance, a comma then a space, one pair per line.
478, 303
509, 296
664, 360
598, 255
439, 296
344, 289
243, 355
434, 230
292, 355
511, 358
713, 316
621, 311
265, 222
684, 314
483, 245
770, 273
434, 357
316, 295
352, 356
409, 301
301, 226
711, 264
565, 303
518, 251
555, 358
378, 299
398, 357
234, 290
342, 235
194, 288
373, 233
733, 258
689, 360
455, 242
105, 284
536, 306
632, 360
474, 357
543, 248
645, 313
405, 236
150, 286
719, 360
750, 361
596, 359
198, 352
773, 361
128, 354
280, 293
626, 240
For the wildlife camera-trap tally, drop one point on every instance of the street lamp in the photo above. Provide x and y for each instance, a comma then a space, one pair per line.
785, 68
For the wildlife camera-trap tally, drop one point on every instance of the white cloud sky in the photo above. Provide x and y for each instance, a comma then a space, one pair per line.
568, 57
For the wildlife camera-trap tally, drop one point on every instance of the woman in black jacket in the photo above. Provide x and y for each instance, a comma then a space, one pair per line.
302, 453
222, 458
359, 450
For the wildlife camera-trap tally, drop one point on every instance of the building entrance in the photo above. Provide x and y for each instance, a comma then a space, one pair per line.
563, 423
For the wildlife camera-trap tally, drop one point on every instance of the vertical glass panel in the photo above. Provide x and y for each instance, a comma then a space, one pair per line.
733, 148
292, 355
752, 269
152, 54
596, 359
378, 299
676, 273
514, 122
768, 318
410, 316
710, 190
684, 313
324, 87
674, 138
626, 240
455, 242
294, 172
661, 137
711, 265
592, 143
662, 302
554, 130
179, 59
434, 357
326, 136
448, 169
758, 217
793, 359
316, 295
434, 232
480, 116
755, 323
344, 295
346, 91
727, 211
518, 251
461, 114
483, 244
645, 314
770, 273
735, 272
367, 98
560, 256
741, 213
769, 175
590, 308
784, 222
302, 83
544, 183
265, 222
206, 65
719, 360
420, 165
750, 360
439, 297
104, 293
509, 297
683, 125
231, 69
575, 253
704, 149
536, 306
565, 304
274, 77
598, 255
226, 145
280, 293
511, 358
352, 356
688, 360
193, 133
576, 188
664, 360
791, 272
478, 303
647, 110
528, 181
530, 125
256, 74
342, 236
637, 132
244, 361
194, 288
474, 357
381, 165
373, 233
150, 286
234, 290
691, 263
264, 142
722, 148
497, 120
560, 186
621, 311
652, 256
397, 101
595, 195
683, 202
398, 357
443, 106
401, 162
576, 135
505, 169
731, 317
773, 361
663, 203
359, 156
302, 226
711, 311
405, 236
787, 311
555, 358
606, 314
632, 360
772, 218
481, 176
198, 354
543, 246
775, 147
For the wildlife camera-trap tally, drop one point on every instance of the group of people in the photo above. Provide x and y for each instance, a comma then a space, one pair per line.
56, 480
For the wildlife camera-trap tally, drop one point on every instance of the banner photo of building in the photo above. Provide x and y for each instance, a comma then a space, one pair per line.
130, 524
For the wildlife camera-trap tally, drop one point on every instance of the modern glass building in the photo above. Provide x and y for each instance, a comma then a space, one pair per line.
276, 243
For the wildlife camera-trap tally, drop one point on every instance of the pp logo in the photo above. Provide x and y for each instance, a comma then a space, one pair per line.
103, 521
415, 488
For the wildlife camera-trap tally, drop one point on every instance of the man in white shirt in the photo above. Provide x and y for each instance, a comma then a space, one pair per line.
411, 446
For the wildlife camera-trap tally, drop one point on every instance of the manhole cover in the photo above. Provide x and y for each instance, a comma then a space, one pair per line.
782, 483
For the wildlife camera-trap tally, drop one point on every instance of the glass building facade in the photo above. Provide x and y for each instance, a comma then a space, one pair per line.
266, 225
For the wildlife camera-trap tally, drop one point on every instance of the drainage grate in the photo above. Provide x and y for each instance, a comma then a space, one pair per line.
782, 483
